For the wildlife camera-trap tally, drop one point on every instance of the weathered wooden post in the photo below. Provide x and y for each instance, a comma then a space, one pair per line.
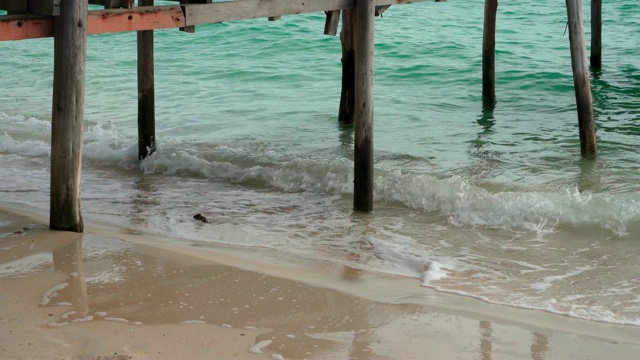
69, 64
146, 92
363, 147
489, 51
596, 34
347, 37
581, 81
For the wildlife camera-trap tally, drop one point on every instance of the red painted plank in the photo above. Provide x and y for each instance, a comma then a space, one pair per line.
19, 27
119, 20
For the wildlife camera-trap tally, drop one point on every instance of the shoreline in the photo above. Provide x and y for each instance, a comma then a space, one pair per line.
321, 310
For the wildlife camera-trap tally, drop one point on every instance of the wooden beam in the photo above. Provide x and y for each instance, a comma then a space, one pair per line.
162, 17
113, 4
192, 29
252, 9
347, 94
70, 55
20, 27
596, 34
146, 92
489, 51
381, 9
363, 146
142, 18
14, 7
332, 22
44, 7
581, 82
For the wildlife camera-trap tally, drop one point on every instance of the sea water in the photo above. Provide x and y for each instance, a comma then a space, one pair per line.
495, 204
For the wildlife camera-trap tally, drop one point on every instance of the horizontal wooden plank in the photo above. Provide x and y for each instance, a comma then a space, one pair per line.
141, 18
252, 9
19, 27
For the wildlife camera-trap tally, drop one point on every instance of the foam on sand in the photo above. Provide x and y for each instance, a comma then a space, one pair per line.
51, 293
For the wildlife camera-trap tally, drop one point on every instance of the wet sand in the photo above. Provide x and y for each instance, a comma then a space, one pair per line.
107, 294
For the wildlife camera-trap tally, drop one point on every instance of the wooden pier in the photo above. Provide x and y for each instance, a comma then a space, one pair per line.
69, 22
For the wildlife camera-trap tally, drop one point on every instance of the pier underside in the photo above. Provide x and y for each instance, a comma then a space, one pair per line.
24, 22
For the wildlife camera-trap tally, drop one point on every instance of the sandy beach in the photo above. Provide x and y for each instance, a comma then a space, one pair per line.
107, 294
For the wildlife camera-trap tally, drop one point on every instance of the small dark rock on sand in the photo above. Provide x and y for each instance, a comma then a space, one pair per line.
201, 218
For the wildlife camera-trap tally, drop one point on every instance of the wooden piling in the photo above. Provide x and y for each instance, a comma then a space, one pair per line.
332, 22
489, 51
596, 34
347, 38
363, 147
14, 7
146, 92
581, 80
70, 54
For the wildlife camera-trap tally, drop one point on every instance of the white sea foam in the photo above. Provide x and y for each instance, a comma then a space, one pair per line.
434, 272
121, 320
345, 337
32, 148
188, 322
257, 348
547, 281
67, 314
462, 202
302, 187
84, 319
30, 122
51, 293
110, 276
551, 306
24, 265
55, 324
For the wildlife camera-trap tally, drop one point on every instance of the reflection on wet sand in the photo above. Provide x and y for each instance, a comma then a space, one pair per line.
145, 199
539, 346
116, 281
68, 259
485, 341
538, 350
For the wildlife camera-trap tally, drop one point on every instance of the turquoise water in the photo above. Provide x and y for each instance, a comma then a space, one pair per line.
494, 204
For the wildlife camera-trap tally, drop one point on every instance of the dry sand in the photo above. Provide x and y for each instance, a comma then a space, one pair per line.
112, 295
